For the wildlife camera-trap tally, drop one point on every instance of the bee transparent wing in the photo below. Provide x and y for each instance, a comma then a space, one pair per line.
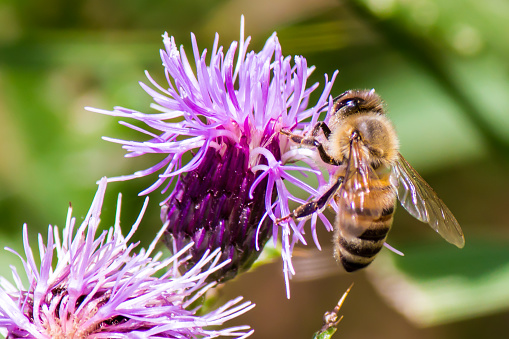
353, 200
421, 201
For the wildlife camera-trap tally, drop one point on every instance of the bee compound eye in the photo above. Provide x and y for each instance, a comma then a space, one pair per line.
348, 105
352, 104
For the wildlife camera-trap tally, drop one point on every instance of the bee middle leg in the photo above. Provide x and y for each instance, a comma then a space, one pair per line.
306, 210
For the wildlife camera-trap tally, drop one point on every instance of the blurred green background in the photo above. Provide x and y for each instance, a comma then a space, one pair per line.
441, 66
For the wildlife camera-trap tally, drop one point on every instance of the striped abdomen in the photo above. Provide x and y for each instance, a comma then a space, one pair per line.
365, 218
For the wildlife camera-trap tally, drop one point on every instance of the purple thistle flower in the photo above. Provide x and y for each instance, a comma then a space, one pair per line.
99, 288
229, 115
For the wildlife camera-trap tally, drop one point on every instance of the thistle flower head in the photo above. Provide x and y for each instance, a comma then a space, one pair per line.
100, 288
228, 114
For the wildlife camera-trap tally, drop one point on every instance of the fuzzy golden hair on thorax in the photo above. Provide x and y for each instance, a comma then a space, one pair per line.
363, 111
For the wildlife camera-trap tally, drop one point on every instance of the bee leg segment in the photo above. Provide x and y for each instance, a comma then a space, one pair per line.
326, 158
323, 126
321, 150
306, 210
299, 139
312, 142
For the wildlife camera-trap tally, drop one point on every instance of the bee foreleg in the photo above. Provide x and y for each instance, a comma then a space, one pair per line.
299, 139
326, 157
306, 210
321, 150
313, 142
323, 126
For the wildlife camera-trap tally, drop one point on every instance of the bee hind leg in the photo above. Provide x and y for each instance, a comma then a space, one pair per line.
306, 210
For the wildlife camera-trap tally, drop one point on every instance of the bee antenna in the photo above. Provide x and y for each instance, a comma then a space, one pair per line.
323, 107
341, 95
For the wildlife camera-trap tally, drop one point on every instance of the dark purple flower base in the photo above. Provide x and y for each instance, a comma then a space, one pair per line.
211, 206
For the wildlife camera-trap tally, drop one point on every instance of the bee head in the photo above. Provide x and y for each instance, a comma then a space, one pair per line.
357, 101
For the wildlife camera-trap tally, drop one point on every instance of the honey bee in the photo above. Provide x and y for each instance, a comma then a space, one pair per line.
371, 175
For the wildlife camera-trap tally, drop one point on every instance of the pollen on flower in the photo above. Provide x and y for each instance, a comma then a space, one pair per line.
227, 108
100, 288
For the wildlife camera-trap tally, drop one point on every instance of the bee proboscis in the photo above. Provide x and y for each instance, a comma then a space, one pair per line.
371, 175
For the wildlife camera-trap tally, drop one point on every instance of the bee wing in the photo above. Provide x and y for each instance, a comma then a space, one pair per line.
421, 201
353, 194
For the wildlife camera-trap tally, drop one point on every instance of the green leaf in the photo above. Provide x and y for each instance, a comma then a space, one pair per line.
437, 285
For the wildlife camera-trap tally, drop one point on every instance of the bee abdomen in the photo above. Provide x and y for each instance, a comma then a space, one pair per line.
358, 251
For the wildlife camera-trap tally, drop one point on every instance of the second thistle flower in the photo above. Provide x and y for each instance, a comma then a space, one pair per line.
228, 113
